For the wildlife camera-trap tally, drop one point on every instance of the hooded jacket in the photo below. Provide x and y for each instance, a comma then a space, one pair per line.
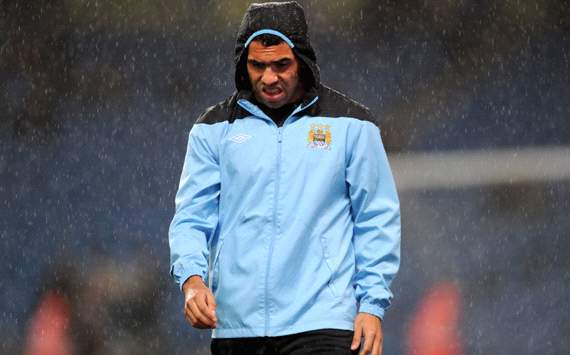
293, 228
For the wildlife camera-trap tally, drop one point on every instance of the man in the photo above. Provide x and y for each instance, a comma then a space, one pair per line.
286, 234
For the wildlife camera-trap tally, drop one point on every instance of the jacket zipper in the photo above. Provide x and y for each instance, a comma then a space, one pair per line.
275, 227
251, 108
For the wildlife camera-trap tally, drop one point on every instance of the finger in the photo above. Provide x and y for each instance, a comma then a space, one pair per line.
368, 341
377, 346
190, 317
193, 321
211, 301
204, 309
201, 318
380, 339
356, 337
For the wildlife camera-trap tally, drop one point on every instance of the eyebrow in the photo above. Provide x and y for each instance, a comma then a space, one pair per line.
279, 61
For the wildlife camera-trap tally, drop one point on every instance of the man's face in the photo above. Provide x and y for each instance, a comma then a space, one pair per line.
274, 74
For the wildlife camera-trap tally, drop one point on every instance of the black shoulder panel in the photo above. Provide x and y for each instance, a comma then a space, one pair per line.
334, 104
226, 110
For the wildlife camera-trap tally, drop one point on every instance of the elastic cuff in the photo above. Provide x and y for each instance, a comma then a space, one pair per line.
181, 273
372, 309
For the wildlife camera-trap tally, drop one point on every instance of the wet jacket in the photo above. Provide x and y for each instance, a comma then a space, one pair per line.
293, 228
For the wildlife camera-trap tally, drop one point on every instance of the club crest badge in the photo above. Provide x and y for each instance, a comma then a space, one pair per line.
320, 136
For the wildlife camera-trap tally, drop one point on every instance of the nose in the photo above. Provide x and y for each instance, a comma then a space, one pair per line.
269, 77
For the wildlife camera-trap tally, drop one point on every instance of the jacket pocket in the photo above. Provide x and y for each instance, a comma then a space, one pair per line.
329, 265
215, 269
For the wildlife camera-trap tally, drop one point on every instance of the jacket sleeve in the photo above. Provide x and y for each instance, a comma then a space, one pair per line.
375, 211
196, 215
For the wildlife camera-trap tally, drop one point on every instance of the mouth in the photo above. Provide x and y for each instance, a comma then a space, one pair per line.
272, 94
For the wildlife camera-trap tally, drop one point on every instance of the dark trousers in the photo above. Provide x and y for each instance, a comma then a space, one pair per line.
323, 341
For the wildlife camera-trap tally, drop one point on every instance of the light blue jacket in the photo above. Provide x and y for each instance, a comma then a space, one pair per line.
293, 228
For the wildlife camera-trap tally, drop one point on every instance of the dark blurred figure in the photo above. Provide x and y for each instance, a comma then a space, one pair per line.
104, 307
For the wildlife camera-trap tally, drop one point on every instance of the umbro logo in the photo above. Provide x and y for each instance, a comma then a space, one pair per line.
240, 138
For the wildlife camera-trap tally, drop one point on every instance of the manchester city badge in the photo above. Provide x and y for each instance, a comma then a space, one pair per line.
320, 136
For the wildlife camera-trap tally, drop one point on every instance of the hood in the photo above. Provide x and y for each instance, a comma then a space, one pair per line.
285, 20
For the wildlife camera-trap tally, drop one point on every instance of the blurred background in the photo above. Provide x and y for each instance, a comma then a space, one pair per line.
96, 101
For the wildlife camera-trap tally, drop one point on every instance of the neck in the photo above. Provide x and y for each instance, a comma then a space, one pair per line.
278, 115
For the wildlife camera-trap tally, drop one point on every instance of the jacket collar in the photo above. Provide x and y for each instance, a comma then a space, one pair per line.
246, 107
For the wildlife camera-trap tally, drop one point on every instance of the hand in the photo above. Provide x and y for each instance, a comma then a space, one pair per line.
199, 304
370, 327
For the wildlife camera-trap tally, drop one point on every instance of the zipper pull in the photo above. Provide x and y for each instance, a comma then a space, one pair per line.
279, 134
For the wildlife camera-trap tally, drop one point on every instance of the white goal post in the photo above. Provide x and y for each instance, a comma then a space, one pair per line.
462, 169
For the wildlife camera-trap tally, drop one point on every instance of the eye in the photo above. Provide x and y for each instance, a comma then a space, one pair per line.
257, 65
281, 65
